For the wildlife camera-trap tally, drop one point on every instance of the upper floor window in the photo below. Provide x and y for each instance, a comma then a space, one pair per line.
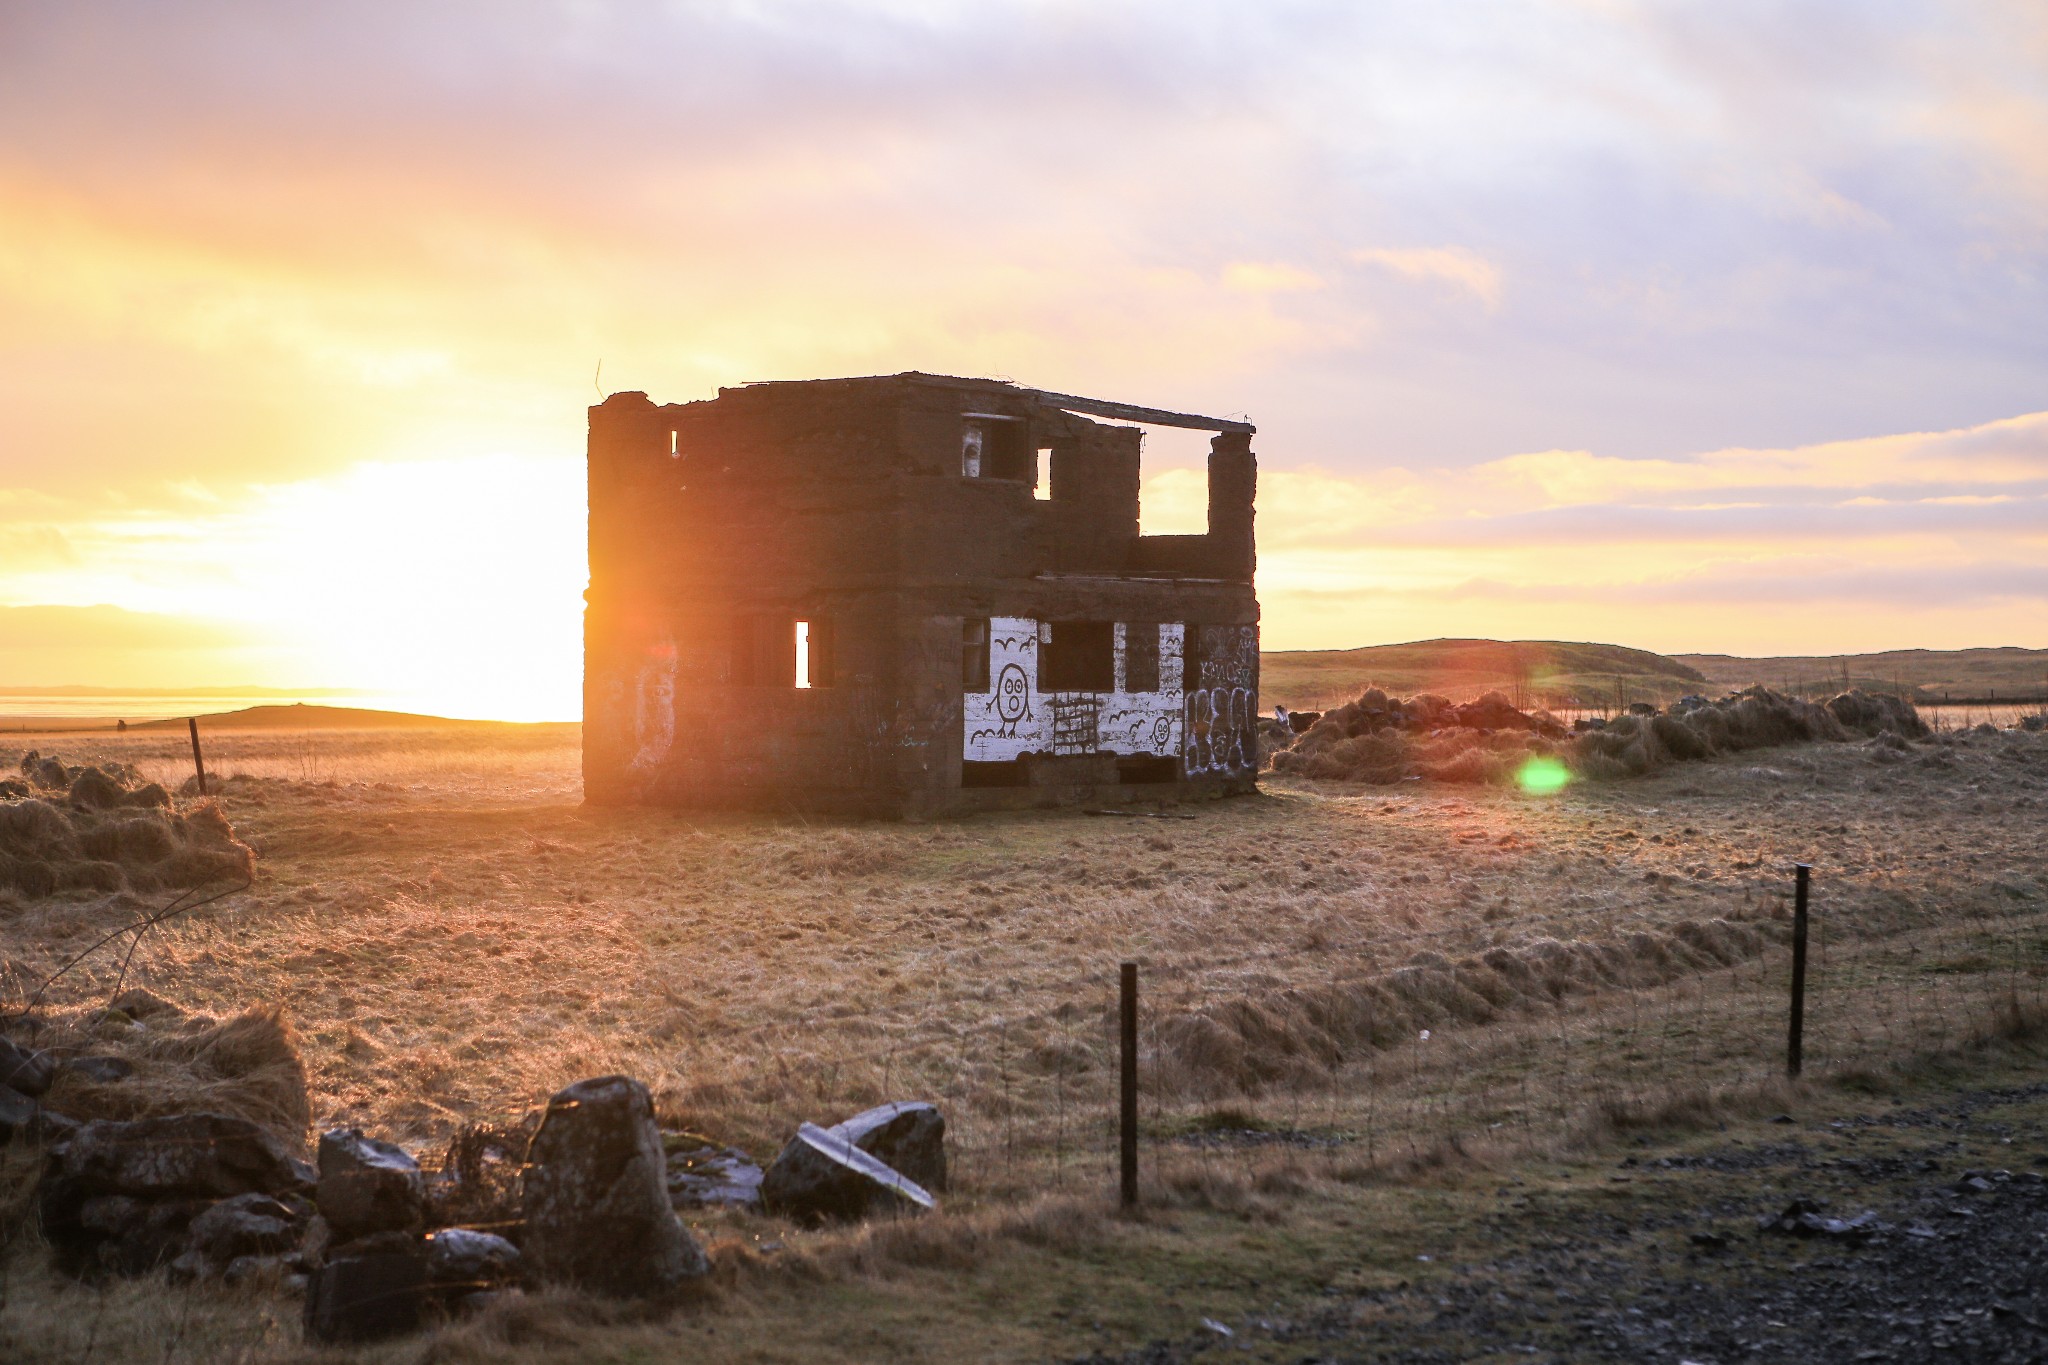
993, 446
973, 441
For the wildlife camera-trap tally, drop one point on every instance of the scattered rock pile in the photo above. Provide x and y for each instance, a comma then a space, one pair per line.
201, 1191
374, 1269
1382, 739
703, 1174
104, 829
589, 1197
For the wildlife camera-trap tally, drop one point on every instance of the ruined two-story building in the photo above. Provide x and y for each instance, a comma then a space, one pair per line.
909, 595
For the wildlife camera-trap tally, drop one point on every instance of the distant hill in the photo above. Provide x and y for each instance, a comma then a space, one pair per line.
1530, 672
1924, 674
303, 717
1559, 673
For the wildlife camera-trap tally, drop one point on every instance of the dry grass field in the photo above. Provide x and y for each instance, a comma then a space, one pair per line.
1361, 1006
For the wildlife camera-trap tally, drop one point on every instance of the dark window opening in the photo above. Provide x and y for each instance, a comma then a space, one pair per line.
1079, 656
1141, 656
974, 655
1147, 768
994, 447
978, 774
1191, 659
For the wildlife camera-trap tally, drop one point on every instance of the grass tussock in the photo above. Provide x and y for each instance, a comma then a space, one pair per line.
105, 829
1243, 1043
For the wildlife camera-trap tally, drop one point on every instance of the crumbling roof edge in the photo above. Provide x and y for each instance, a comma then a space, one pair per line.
1066, 402
1131, 412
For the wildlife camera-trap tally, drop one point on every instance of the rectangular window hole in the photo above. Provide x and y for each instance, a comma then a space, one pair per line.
1173, 491
1079, 656
993, 446
1041, 482
974, 655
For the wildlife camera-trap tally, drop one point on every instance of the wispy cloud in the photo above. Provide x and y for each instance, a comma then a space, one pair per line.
1922, 537
1452, 265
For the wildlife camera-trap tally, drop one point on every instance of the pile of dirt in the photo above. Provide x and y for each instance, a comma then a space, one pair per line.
1380, 739
105, 829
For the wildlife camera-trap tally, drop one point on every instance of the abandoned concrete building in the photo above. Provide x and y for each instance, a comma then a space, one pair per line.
909, 595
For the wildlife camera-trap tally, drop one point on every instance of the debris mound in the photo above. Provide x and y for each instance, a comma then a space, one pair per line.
101, 829
1380, 739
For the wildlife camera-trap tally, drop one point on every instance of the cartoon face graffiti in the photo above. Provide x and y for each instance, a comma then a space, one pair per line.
1013, 695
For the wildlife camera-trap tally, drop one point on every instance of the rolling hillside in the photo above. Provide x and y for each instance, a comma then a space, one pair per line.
1561, 673
1926, 674
301, 716
1531, 672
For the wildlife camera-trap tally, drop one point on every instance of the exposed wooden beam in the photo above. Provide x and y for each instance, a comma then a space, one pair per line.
1131, 412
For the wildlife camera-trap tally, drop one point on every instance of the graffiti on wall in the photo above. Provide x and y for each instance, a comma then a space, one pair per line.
1008, 719
1012, 718
653, 713
1074, 727
1218, 728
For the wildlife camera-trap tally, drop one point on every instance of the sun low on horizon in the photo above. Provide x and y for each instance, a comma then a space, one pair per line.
1559, 321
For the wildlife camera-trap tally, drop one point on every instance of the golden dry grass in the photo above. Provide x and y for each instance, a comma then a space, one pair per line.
453, 936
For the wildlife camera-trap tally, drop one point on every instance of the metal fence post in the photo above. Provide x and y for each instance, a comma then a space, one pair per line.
198, 763
1795, 1038
1128, 1147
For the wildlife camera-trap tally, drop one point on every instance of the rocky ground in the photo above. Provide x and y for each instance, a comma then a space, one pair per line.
1922, 1238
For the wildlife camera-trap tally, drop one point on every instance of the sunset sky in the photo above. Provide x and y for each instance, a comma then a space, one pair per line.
1686, 326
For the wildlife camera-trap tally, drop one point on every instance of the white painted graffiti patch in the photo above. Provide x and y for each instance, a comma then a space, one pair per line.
1013, 718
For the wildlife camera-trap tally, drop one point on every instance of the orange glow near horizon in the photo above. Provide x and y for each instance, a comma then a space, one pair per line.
454, 586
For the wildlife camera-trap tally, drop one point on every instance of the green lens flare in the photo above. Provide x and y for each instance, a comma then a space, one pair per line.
1542, 776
